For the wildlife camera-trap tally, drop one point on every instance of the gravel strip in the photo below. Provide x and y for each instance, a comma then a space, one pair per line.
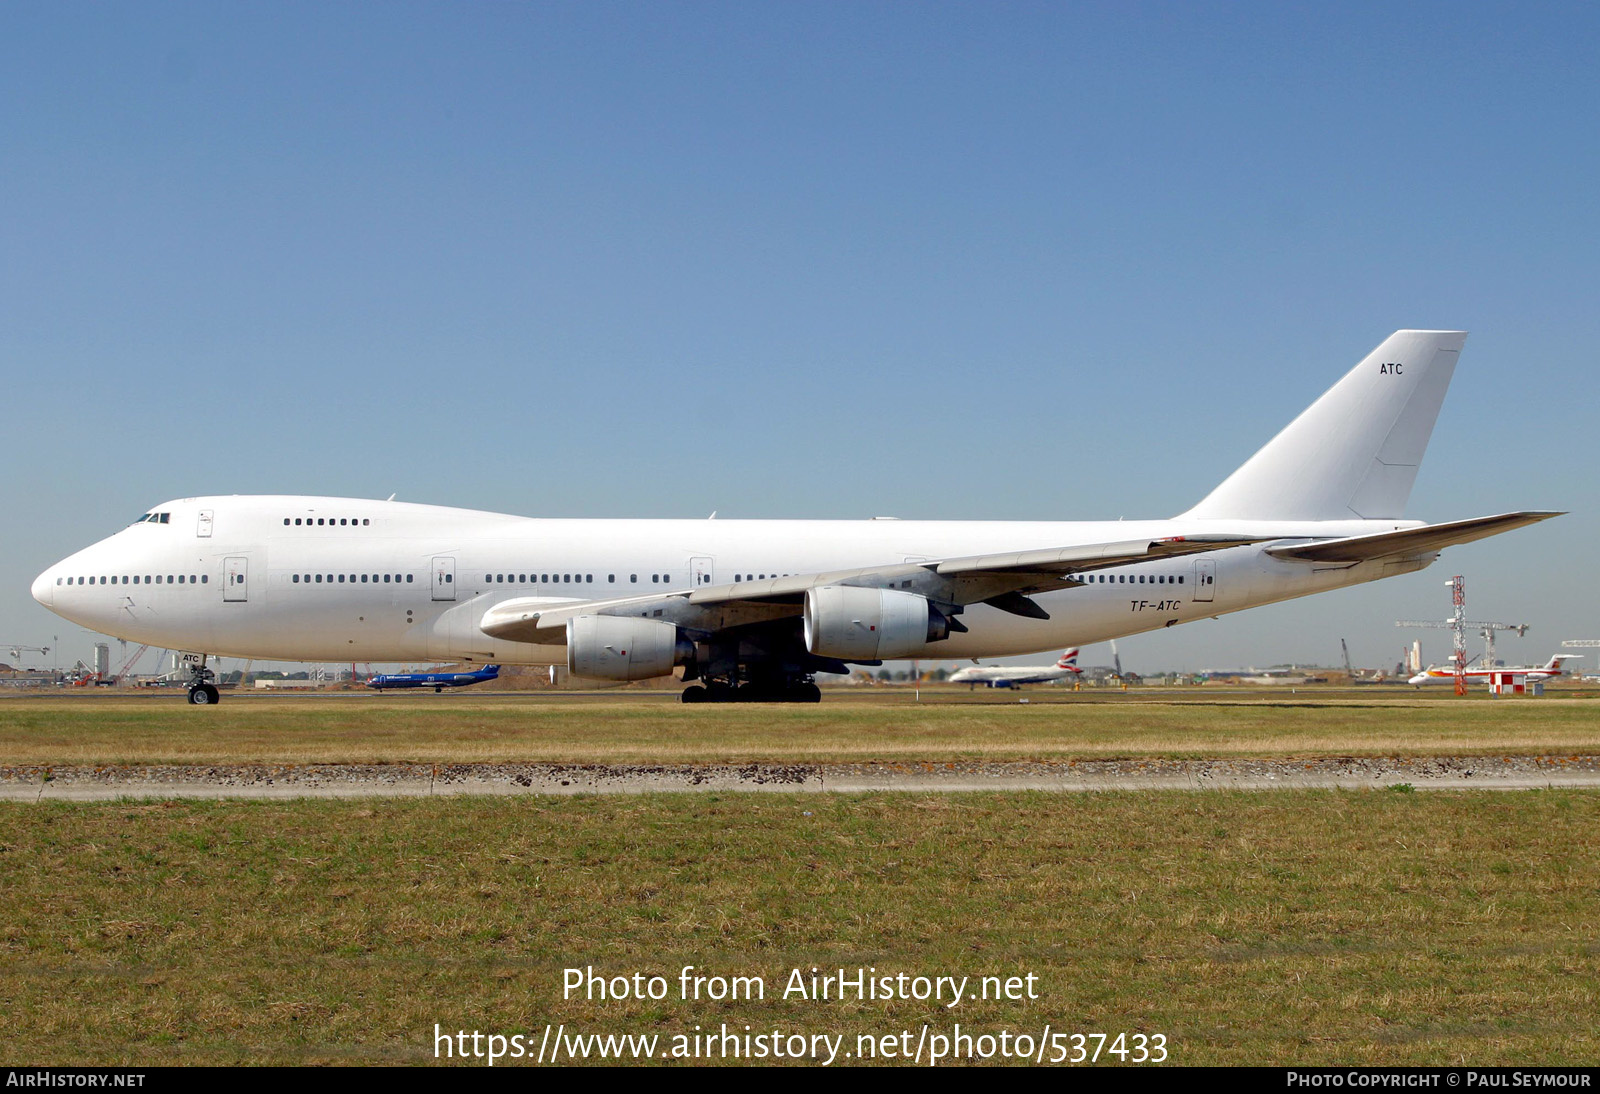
90, 783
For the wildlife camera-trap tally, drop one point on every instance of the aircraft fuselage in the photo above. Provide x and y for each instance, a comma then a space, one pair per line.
344, 579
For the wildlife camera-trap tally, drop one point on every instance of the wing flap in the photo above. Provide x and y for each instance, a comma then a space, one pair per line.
1092, 556
1410, 541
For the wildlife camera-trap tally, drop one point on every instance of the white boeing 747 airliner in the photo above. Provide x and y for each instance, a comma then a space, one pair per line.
753, 608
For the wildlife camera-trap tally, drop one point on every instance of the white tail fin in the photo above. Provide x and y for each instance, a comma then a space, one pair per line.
1354, 453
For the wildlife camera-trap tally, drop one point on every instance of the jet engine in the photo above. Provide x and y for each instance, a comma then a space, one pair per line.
616, 647
854, 624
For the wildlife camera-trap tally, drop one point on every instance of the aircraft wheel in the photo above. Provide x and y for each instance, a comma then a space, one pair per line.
810, 693
203, 695
694, 693
719, 693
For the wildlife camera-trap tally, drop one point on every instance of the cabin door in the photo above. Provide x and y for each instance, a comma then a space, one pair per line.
235, 572
444, 578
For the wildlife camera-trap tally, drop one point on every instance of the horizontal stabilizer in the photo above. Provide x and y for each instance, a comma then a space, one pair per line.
1412, 541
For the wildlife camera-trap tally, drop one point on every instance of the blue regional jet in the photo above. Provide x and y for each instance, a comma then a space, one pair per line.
438, 681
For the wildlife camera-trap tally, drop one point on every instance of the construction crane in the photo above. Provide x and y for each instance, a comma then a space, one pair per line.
1460, 625
17, 650
1582, 643
128, 663
1348, 671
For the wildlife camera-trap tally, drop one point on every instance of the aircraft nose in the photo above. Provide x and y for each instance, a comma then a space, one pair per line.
44, 588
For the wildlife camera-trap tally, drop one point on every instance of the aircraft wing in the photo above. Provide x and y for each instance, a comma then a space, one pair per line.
1004, 581
1411, 541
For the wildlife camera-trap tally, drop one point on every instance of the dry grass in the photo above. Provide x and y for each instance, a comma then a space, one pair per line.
879, 724
1314, 927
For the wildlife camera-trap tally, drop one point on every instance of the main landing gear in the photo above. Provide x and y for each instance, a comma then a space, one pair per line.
202, 692
795, 690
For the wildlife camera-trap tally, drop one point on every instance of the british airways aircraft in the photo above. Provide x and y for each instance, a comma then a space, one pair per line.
1014, 676
438, 681
753, 608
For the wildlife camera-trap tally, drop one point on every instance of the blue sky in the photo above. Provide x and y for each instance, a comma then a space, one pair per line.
932, 260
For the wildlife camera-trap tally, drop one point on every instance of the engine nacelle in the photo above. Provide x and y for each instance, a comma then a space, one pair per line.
853, 624
616, 647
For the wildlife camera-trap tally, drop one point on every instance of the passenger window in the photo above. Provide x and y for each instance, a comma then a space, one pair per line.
655, 579
633, 577
408, 578
612, 578
319, 579
205, 579
589, 578
365, 521
666, 579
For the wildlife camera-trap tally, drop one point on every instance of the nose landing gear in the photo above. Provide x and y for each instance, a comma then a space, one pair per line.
202, 692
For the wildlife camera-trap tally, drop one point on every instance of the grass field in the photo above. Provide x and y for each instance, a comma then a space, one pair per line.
1313, 927
1268, 927
654, 728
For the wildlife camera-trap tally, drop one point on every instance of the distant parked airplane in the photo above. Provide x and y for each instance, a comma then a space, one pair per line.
1546, 671
998, 676
438, 681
